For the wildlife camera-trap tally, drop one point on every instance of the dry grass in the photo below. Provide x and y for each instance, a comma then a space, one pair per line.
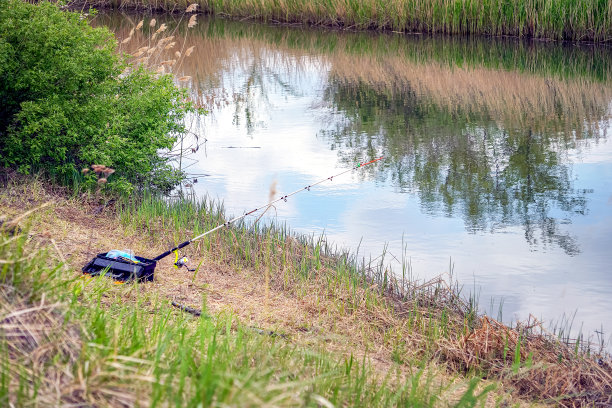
47, 348
428, 322
537, 366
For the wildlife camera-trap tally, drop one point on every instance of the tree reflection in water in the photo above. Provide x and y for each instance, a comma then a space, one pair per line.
463, 163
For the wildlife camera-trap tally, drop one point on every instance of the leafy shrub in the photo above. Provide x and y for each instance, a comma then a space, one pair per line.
66, 104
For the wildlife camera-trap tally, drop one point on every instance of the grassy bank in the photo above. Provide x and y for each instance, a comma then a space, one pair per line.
574, 20
286, 320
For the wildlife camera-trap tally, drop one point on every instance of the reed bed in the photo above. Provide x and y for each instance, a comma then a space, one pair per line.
573, 20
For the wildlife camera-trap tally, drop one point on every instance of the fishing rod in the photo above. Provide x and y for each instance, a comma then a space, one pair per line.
124, 266
282, 198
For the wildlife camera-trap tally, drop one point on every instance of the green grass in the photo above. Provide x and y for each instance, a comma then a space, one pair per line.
66, 340
575, 20
435, 321
257, 245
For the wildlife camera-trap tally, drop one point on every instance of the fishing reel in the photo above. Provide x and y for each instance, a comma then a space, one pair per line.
182, 263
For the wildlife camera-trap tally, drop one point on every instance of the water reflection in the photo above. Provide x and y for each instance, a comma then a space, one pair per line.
463, 164
496, 150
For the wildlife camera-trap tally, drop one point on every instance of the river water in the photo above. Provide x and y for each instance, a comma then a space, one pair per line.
497, 162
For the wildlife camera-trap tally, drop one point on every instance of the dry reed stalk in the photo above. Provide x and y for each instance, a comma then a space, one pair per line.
192, 21
161, 28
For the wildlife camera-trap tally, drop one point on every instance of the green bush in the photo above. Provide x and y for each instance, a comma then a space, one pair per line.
66, 104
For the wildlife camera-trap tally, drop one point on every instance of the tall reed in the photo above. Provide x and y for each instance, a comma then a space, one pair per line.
574, 20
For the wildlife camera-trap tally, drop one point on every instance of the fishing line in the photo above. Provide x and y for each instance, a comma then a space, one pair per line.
268, 205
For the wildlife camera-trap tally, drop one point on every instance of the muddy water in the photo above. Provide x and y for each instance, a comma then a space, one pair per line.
497, 165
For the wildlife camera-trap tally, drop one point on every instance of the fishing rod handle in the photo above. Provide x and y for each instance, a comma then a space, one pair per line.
168, 252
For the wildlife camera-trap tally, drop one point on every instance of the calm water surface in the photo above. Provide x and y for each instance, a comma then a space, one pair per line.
497, 166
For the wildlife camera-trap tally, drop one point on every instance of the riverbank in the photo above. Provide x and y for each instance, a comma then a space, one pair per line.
284, 321
544, 19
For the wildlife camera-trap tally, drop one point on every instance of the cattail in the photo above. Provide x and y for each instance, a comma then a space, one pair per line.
127, 40
131, 32
151, 50
160, 70
138, 54
152, 23
140, 23
192, 21
143, 49
177, 54
168, 62
169, 46
189, 50
192, 7
184, 78
154, 36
